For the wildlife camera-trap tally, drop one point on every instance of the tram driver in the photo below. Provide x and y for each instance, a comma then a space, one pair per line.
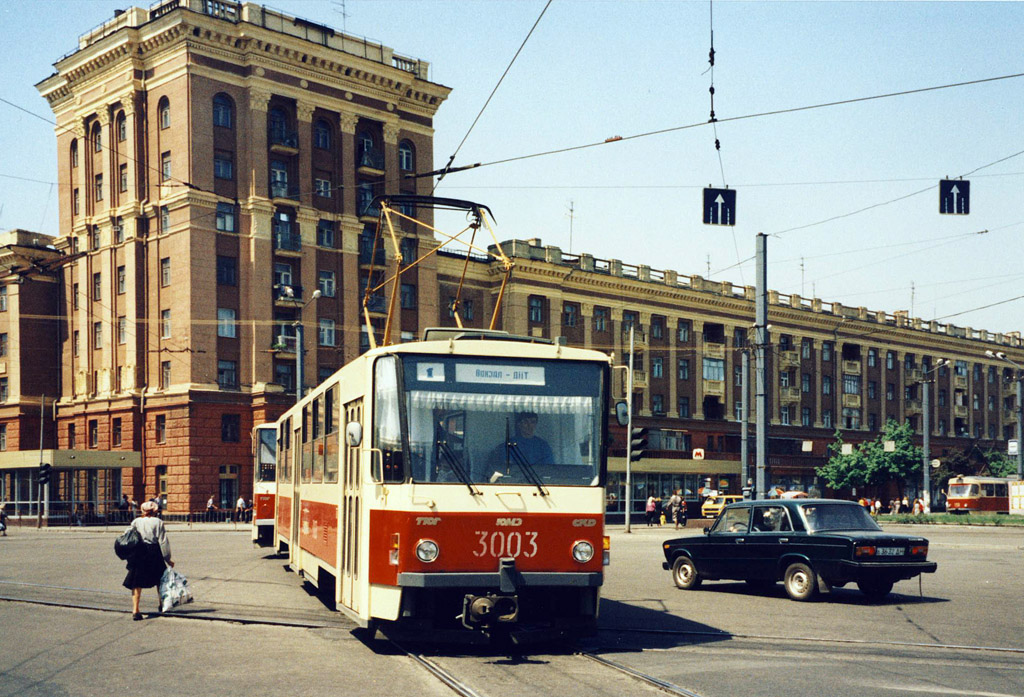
524, 445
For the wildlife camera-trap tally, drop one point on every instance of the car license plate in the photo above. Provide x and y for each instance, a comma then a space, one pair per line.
890, 551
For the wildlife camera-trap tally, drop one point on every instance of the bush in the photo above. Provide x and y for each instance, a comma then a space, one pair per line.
954, 519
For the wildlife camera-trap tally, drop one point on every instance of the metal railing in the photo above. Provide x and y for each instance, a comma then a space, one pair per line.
288, 241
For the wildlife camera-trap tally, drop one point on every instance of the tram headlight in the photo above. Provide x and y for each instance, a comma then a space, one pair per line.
427, 551
583, 551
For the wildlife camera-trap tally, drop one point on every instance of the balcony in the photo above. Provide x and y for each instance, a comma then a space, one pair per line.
789, 395
281, 190
914, 374
1009, 389
287, 241
286, 293
368, 212
1009, 415
960, 382
371, 161
712, 350
284, 344
789, 359
713, 388
852, 367
639, 380
282, 141
912, 406
377, 303
851, 401
367, 255
960, 411
639, 337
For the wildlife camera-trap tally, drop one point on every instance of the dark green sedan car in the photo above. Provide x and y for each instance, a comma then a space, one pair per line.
811, 545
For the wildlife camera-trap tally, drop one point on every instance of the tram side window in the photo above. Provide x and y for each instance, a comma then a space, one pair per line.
307, 445
332, 446
283, 451
318, 441
387, 428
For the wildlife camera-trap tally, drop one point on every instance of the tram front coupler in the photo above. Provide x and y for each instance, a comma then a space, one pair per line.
489, 610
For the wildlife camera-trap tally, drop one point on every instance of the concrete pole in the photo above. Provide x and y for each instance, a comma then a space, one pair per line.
761, 340
299, 350
629, 429
926, 446
1020, 424
744, 416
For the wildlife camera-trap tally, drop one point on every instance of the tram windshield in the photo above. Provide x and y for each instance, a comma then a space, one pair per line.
963, 489
492, 421
266, 454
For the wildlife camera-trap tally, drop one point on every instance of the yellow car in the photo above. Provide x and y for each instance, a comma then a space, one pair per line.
713, 505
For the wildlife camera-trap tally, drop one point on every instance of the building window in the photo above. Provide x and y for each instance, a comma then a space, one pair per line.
631, 319
890, 391
826, 350
325, 233
785, 342
71, 430
784, 378
227, 375
851, 418
121, 126
991, 402
851, 384
737, 375
326, 332
165, 375
872, 389
536, 306
97, 139
684, 407
826, 384
165, 219
97, 286
322, 187
805, 383
739, 337
282, 274
223, 111
122, 178
75, 202
165, 324
94, 433
467, 309
115, 432
328, 286
942, 397
737, 410
227, 271
406, 157
74, 153
976, 402
570, 314
658, 403
322, 135
408, 296
784, 416
97, 335
806, 346
225, 217
3, 345
684, 368
165, 166
600, 319
74, 342
165, 272
657, 327
960, 368
231, 428
3, 390
826, 418
118, 230
890, 360
805, 416
714, 369
161, 428
122, 330
98, 185
683, 334
872, 357
223, 165
657, 367
227, 323
165, 113
872, 422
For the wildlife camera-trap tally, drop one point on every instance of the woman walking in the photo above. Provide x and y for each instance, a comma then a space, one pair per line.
147, 565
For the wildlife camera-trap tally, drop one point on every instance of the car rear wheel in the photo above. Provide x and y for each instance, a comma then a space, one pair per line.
684, 573
874, 588
801, 581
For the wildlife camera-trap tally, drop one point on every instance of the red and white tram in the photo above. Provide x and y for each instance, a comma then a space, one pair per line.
452, 483
969, 494
264, 485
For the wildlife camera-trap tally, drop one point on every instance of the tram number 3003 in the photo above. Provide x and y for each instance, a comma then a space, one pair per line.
499, 544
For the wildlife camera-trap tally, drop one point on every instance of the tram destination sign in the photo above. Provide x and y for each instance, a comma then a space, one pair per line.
499, 374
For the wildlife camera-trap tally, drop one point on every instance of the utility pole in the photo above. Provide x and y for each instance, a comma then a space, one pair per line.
1020, 408
926, 436
761, 341
744, 417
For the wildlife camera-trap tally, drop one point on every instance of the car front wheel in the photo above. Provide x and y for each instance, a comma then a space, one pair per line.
684, 573
801, 581
874, 588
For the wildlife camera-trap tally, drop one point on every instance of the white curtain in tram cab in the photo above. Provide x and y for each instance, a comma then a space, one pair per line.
386, 421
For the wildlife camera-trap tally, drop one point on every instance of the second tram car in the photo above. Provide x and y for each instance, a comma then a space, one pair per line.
452, 483
264, 485
978, 494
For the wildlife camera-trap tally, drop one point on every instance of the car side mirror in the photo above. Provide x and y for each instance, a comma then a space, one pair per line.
622, 413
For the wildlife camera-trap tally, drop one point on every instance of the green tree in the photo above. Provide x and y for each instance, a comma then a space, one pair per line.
869, 463
999, 463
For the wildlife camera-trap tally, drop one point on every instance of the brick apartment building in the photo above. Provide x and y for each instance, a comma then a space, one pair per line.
216, 162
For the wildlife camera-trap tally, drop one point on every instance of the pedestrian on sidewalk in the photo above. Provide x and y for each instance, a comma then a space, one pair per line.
146, 566
3, 519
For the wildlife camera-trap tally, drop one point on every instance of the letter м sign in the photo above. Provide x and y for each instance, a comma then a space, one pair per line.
954, 197
719, 206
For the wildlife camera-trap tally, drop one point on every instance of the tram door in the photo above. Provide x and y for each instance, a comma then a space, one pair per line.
350, 506
296, 453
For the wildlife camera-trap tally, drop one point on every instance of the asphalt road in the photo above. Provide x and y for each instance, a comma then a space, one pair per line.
254, 627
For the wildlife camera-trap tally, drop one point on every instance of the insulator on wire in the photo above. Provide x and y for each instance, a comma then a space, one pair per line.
718, 145
711, 56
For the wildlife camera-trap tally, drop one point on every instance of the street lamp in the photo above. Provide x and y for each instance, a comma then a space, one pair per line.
1020, 407
927, 432
300, 347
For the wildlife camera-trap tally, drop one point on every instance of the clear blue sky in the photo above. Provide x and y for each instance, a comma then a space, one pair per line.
597, 69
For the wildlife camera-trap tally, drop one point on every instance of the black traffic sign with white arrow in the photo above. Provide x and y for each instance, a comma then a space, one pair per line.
954, 197
719, 206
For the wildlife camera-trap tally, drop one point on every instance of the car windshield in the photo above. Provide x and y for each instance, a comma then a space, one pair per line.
837, 516
494, 421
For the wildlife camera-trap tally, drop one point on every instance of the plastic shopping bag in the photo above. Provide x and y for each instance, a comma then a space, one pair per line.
174, 589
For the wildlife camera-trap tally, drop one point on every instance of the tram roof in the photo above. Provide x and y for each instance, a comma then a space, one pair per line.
481, 342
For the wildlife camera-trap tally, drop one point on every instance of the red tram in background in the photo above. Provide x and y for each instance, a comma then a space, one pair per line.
968, 494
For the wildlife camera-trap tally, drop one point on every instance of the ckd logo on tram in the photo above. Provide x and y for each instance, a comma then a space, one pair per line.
584, 523
508, 522
427, 520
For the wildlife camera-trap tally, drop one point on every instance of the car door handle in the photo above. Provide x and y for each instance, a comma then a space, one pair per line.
783, 539
739, 539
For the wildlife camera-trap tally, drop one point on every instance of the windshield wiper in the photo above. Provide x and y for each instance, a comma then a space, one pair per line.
456, 465
512, 452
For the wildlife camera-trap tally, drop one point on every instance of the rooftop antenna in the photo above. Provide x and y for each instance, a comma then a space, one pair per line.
911, 298
572, 211
709, 266
339, 7
801, 277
